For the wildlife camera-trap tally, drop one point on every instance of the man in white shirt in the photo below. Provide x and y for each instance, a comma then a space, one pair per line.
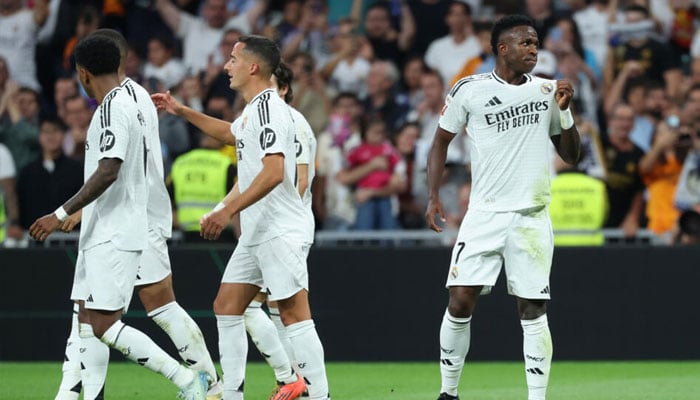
273, 246
114, 229
511, 117
19, 27
201, 35
448, 53
154, 278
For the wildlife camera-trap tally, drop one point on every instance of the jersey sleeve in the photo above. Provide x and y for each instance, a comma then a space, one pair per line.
301, 142
275, 127
115, 135
454, 114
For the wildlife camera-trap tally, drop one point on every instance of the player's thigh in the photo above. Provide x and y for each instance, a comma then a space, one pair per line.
110, 274
528, 254
242, 267
283, 265
154, 265
476, 258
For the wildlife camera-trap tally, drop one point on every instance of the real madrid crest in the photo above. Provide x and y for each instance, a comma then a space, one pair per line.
547, 88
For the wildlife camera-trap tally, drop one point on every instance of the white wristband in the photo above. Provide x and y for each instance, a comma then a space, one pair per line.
219, 206
61, 214
566, 119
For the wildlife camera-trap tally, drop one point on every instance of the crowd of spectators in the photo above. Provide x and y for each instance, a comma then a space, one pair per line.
370, 76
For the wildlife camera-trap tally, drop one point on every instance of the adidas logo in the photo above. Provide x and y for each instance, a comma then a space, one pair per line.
545, 290
534, 371
493, 102
89, 298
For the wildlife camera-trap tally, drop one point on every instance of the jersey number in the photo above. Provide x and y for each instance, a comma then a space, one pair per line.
461, 247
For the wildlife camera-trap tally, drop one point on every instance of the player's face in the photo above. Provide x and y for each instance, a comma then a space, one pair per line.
237, 66
518, 46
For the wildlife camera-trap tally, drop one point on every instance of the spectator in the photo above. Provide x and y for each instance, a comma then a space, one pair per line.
9, 212
201, 35
332, 201
377, 171
163, 71
380, 101
485, 61
565, 36
19, 127
309, 35
409, 91
133, 66
199, 179
410, 211
660, 169
387, 43
542, 13
572, 67
347, 68
427, 115
18, 37
632, 92
64, 87
215, 80
88, 21
689, 228
77, 118
49, 181
309, 89
448, 53
687, 196
594, 34
429, 18
624, 184
655, 60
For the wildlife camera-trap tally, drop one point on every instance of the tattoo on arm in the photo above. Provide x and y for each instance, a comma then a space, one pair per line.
106, 173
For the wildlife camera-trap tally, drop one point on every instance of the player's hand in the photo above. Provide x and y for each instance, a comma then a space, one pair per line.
15, 231
164, 101
214, 223
42, 227
70, 222
564, 94
434, 208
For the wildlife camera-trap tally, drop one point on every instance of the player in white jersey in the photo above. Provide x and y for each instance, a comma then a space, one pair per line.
114, 230
273, 245
154, 278
510, 117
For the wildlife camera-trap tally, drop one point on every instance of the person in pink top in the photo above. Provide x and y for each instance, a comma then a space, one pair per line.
377, 170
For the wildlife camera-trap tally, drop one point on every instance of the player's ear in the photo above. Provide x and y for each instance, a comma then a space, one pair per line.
254, 68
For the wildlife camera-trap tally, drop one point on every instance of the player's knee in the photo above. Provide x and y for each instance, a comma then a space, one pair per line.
531, 309
462, 302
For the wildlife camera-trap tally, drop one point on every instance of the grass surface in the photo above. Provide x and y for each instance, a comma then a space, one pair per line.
404, 381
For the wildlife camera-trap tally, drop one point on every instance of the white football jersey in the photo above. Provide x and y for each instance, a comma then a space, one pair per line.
266, 127
510, 128
119, 214
160, 216
305, 144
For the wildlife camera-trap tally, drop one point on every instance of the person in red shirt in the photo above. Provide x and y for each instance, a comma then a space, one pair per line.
377, 170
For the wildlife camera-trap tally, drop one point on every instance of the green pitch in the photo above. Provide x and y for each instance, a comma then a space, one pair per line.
400, 381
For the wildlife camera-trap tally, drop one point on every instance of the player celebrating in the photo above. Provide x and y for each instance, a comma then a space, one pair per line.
154, 278
273, 247
511, 116
114, 229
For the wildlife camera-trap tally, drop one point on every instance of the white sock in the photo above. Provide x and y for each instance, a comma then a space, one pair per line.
455, 336
537, 350
186, 336
308, 353
94, 359
138, 347
71, 383
282, 333
233, 351
264, 335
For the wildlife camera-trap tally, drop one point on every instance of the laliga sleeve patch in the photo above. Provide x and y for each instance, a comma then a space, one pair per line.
267, 138
107, 139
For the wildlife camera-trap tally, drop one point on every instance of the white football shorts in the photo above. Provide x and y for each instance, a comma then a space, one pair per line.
277, 264
522, 240
104, 277
155, 261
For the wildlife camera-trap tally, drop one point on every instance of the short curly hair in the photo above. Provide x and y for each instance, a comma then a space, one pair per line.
506, 23
98, 54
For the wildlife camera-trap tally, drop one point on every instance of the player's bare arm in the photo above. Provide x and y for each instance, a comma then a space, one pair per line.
214, 127
271, 175
568, 144
106, 174
436, 168
71, 222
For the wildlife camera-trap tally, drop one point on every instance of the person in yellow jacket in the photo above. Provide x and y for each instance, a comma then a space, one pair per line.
198, 180
578, 209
